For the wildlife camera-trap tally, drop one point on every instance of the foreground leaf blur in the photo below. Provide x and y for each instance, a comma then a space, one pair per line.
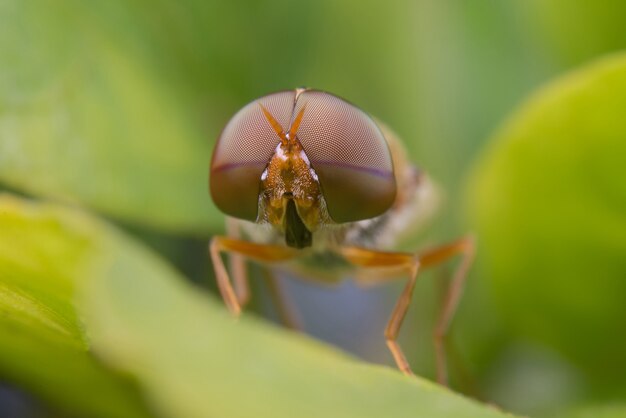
190, 358
43, 348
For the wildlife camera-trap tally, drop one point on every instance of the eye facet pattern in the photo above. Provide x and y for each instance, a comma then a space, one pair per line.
349, 153
343, 144
243, 150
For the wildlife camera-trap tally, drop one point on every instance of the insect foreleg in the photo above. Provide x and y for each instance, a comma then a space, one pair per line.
237, 265
258, 252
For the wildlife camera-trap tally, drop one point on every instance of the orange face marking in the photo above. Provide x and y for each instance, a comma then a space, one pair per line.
275, 125
289, 177
296, 123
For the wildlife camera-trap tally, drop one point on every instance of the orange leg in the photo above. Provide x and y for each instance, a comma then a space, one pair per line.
286, 311
411, 263
397, 261
237, 264
258, 252
239, 272
467, 248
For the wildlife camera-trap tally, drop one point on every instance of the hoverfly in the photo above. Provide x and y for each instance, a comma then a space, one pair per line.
309, 181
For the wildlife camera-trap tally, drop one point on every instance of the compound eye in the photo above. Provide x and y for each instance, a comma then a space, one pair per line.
242, 152
350, 155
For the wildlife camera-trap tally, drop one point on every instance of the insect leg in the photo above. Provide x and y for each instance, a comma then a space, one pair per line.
397, 317
466, 247
286, 312
259, 252
238, 268
404, 261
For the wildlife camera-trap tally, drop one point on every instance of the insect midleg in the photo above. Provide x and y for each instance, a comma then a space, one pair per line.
286, 312
465, 247
411, 263
405, 261
258, 252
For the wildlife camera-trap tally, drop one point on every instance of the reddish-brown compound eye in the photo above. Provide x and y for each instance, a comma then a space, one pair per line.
242, 152
350, 155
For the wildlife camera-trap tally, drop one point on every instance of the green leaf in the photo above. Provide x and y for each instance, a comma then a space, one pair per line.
617, 410
42, 345
573, 31
190, 356
86, 116
548, 199
195, 360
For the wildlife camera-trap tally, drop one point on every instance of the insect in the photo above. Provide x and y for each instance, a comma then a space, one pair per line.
312, 184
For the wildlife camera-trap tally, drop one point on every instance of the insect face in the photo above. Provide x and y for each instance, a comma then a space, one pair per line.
315, 150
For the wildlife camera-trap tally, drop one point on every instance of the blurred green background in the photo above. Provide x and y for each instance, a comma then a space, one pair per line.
114, 106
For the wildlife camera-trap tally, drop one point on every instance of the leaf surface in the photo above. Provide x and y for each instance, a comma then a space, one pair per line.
43, 348
548, 199
189, 356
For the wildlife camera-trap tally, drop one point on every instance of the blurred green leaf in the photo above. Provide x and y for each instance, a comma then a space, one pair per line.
548, 199
573, 31
42, 346
196, 361
617, 410
85, 116
189, 354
